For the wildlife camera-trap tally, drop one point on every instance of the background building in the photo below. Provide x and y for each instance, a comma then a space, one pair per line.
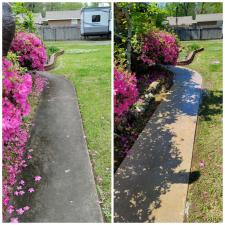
62, 18
201, 21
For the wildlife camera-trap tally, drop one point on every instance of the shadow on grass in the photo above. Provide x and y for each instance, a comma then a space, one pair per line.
155, 162
98, 38
212, 104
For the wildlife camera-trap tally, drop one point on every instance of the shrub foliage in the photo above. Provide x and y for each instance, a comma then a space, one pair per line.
30, 50
159, 47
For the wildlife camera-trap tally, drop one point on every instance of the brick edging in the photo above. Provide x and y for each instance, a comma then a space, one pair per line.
52, 60
190, 58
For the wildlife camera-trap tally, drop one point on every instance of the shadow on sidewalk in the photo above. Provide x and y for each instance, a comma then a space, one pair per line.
152, 164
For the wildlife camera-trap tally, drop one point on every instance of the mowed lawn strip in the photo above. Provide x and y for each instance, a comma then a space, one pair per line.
88, 66
205, 195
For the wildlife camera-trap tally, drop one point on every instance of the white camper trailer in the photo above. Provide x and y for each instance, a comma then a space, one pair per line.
95, 21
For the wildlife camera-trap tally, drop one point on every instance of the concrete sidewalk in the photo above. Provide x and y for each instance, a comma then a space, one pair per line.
151, 183
67, 191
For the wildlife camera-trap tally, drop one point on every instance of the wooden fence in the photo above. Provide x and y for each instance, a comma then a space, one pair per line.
187, 34
60, 33
73, 33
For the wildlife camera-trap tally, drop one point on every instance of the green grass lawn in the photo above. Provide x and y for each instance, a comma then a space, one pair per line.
188, 47
205, 195
88, 66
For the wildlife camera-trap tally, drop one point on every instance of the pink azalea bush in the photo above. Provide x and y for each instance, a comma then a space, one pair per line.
131, 93
17, 87
128, 126
159, 47
125, 95
30, 49
39, 84
125, 92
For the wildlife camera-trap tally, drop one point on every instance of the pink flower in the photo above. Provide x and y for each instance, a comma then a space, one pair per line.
37, 178
29, 157
22, 182
31, 190
39, 84
159, 47
10, 209
30, 49
6, 201
14, 220
17, 86
26, 208
21, 192
202, 164
20, 211
125, 92
16, 193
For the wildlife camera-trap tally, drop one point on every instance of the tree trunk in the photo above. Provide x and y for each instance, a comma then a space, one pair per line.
202, 8
129, 36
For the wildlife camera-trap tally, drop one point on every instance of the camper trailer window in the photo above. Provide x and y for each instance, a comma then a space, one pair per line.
96, 18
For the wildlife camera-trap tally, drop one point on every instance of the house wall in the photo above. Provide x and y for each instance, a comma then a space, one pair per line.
59, 22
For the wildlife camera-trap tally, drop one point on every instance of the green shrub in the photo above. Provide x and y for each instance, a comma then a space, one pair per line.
51, 50
24, 18
193, 47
